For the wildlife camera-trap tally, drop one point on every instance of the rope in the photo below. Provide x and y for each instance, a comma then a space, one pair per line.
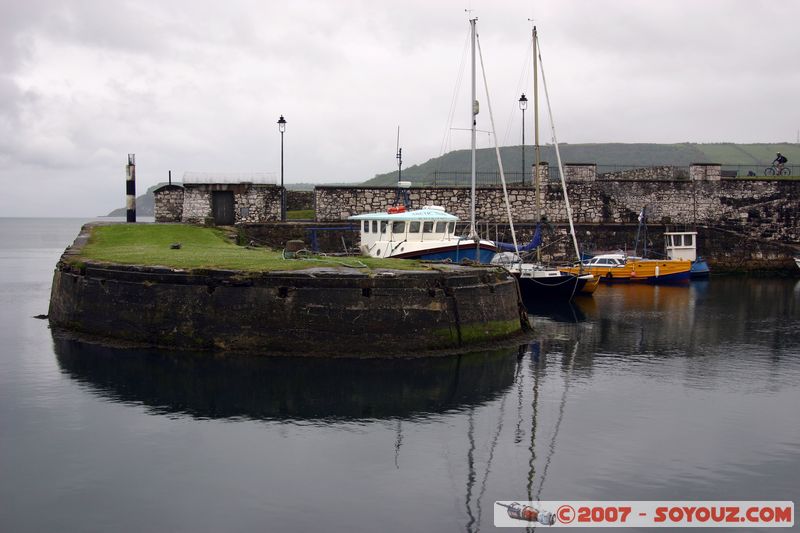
456, 90
497, 149
523, 81
358, 263
552, 447
558, 153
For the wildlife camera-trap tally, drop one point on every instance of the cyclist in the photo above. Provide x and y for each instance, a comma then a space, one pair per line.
779, 161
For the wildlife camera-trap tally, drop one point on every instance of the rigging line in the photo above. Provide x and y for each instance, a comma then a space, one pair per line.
561, 408
471, 467
397, 443
497, 149
491, 456
456, 91
519, 379
558, 152
522, 82
532, 447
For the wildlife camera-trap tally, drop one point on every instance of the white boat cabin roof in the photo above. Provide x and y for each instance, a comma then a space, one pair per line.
426, 213
606, 260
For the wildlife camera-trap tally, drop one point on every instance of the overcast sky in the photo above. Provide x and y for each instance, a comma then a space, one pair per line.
198, 85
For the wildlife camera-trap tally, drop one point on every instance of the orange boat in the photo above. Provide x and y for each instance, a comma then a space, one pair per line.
619, 267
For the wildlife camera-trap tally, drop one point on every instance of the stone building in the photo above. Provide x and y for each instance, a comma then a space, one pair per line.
228, 199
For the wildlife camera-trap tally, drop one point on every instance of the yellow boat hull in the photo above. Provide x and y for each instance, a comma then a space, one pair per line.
639, 270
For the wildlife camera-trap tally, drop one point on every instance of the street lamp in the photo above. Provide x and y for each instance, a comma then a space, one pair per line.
282, 128
523, 105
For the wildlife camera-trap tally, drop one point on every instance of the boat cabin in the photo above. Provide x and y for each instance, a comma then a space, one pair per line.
681, 244
384, 234
606, 260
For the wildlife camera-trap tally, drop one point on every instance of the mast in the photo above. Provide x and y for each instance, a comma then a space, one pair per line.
537, 156
560, 166
473, 114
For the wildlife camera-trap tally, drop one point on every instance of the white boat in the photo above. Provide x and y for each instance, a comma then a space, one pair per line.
428, 233
797, 261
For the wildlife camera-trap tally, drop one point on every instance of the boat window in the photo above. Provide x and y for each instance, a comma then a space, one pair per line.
451, 227
676, 240
687, 240
413, 227
441, 227
366, 226
374, 226
398, 227
427, 227
383, 226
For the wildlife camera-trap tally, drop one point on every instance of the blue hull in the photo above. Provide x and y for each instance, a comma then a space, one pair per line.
680, 277
456, 256
699, 269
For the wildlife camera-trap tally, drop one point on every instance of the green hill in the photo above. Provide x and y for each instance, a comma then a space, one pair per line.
145, 204
609, 155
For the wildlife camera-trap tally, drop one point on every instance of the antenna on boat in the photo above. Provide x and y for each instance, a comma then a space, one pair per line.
402, 186
399, 157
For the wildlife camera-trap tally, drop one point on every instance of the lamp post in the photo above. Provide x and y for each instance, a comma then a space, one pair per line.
282, 128
523, 105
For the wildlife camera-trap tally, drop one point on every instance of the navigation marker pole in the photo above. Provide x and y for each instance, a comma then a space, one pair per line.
130, 188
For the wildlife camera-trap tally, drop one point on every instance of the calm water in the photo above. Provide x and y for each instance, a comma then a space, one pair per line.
639, 393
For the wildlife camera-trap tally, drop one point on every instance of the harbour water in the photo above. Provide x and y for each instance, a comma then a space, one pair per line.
640, 393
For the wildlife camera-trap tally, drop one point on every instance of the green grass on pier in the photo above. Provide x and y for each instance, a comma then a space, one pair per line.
211, 248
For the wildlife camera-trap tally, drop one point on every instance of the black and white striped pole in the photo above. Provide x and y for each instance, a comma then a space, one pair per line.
130, 188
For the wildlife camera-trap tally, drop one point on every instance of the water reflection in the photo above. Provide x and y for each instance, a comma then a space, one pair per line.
557, 311
657, 391
205, 386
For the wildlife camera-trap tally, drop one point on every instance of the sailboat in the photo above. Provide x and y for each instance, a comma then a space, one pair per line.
427, 233
539, 283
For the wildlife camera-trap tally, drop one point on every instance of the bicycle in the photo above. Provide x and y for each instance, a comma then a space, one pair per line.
777, 170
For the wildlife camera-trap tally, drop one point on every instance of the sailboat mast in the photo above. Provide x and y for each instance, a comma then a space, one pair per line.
473, 115
537, 155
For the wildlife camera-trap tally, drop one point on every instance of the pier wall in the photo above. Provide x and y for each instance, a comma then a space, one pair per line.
324, 311
760, 209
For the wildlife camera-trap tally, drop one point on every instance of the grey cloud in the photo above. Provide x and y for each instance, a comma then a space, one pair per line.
199, 85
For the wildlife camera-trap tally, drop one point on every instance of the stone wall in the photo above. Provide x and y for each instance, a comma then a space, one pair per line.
758, 209
168, 203
580, 171
297, 200
258, 203
196, 205
664, 172
253, 203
